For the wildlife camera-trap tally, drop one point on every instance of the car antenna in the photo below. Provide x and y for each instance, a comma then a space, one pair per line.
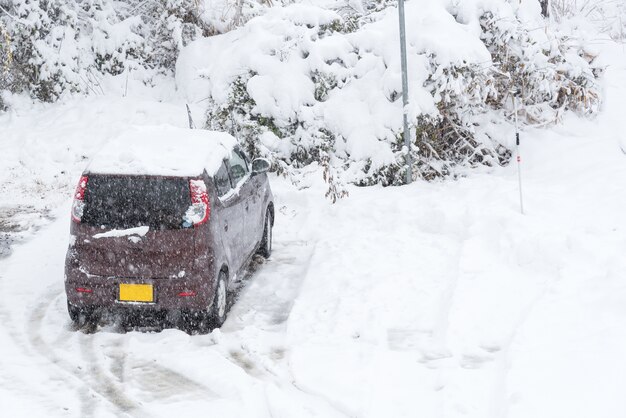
191, 124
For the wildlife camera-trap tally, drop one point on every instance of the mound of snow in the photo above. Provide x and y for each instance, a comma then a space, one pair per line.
163, 150
327, 85
280, 50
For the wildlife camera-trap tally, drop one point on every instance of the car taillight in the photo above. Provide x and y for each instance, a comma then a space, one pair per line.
199, 211
79, 196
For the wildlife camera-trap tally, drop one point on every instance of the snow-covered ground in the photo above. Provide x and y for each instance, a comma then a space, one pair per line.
429, 300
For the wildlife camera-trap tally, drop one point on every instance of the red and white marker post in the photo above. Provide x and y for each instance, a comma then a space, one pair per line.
518, 157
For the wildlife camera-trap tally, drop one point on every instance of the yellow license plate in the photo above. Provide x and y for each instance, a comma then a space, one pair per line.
136, 292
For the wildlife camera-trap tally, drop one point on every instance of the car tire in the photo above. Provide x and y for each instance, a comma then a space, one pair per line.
266, 242
219, 307
203, 321
74, 313
80, 316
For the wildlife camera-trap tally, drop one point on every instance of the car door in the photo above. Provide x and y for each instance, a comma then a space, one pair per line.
240, 176
255, 215
230, 216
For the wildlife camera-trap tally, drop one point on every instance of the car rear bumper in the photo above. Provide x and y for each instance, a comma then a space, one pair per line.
98, 292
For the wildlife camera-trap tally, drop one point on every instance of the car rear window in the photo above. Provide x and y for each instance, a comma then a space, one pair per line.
127, 202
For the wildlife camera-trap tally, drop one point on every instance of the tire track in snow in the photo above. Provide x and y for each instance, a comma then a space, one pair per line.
64, 367
503, 360
152, 378
101, 382
16, 382
266, 303
101, 385
162, 382
268, 291
119, 360
440, 334
110, 383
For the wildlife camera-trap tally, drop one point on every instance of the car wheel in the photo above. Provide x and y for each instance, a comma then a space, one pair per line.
220, 301
266, 242
80, 316
74, 313
203, 321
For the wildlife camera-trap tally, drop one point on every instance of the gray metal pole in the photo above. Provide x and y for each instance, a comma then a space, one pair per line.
405, 92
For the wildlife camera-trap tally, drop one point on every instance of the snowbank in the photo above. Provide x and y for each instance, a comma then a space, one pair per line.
277, 53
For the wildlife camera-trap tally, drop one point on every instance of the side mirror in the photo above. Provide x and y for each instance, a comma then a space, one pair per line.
260, 165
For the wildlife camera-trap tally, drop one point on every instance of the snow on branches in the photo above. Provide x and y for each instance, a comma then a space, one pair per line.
52, 47
319, 84
303, 85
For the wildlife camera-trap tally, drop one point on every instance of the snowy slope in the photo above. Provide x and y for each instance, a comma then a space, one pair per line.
431, 300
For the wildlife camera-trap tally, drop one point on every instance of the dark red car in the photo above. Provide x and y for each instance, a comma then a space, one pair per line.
164, 220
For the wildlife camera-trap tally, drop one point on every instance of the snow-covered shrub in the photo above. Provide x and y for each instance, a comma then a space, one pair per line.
42, 38
319, 83
60, 46
301, 85
449, 138
115, 45
53, 44
262, 137
550, 73
166, 27
235, 114
288, 132
6, 60
609, 16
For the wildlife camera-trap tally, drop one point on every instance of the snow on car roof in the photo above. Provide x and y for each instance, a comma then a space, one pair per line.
163, 150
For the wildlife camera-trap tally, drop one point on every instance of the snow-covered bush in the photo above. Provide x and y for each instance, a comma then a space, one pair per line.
42, 39
6, 60
609, 16
305, 85
52, 47
550, 72
166, 27
115, 45
318, 82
